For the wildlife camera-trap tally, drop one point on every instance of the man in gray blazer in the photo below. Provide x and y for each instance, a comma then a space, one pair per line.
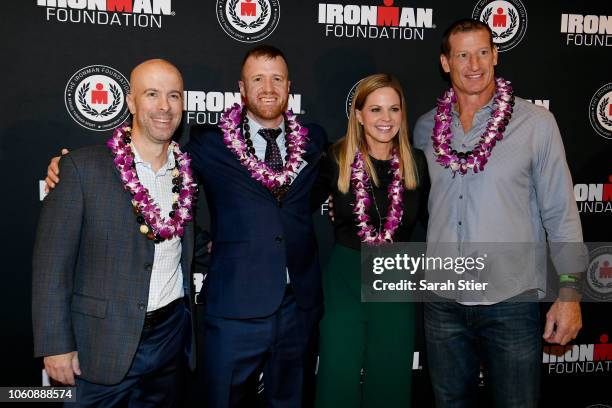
111, 272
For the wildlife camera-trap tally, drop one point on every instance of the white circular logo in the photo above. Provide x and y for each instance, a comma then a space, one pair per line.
599, 274
349, 98
248, 20
507, 20
600, 111
95, 97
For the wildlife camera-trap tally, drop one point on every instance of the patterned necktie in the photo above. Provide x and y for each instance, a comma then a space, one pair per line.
273, 155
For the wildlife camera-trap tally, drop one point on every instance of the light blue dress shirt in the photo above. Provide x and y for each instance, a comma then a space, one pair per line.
524, 195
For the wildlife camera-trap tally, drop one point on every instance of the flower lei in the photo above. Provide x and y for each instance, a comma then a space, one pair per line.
259, 170
476, 158
360, 182
148, 213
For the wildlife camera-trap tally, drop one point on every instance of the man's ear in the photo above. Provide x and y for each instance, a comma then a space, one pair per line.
444, 63
495, 55
242, 90
130, 101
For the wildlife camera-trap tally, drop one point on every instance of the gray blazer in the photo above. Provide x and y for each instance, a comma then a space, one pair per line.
92, 267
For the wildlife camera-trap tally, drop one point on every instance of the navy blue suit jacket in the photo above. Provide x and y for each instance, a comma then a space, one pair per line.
255, 236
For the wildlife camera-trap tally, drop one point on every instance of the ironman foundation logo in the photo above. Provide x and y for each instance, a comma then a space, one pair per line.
578, 359
95, 97
600, 111
599, 274
594, 198
587, 30
248, 20
126, 13
385, 21
206, 107
507, 19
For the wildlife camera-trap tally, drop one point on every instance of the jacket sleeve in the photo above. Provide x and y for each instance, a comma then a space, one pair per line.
324, 183
197, 146
424, 187
54, 261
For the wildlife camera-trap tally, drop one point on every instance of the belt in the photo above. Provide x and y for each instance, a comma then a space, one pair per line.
158, 316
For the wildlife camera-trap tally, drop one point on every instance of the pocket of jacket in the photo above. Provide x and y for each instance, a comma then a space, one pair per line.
89, 305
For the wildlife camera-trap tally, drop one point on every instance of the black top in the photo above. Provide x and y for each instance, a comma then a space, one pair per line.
345, 224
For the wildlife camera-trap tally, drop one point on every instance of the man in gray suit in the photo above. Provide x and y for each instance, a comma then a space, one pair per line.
112, 258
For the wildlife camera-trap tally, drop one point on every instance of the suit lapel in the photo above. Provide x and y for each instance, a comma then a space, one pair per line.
310, 158
118, 178
233, 161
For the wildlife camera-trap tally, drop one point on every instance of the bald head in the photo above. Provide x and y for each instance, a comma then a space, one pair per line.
154, 66
155, 101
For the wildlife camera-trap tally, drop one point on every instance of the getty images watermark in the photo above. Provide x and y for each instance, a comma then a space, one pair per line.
486, 272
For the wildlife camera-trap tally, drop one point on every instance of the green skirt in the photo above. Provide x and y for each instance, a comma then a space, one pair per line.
377, 338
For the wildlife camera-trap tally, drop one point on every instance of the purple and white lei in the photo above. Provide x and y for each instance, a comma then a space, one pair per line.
476, 158
296, 137
360, 182
120, 145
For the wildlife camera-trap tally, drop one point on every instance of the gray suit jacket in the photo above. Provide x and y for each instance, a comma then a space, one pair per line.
92, 267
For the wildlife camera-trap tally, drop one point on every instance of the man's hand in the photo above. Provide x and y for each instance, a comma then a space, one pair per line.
63, 367
563, 321
53, 172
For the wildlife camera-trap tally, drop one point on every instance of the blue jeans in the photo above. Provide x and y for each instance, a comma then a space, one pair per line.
505, 338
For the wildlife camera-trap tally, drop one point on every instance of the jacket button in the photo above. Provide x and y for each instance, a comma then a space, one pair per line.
148, 267
141, 306
278, 238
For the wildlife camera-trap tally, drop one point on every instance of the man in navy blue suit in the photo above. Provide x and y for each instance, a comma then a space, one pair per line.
263, 288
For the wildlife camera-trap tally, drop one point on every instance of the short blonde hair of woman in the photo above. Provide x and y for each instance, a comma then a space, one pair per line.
345, 148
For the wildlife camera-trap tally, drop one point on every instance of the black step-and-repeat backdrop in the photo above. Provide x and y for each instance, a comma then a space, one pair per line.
64, 69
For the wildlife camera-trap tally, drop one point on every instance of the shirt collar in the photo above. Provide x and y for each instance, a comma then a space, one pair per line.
169, 160
255, 126
485, 110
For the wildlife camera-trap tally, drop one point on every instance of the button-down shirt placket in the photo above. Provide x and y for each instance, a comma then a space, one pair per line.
166, 283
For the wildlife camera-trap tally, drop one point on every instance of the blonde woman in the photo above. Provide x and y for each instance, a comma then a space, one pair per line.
379, 187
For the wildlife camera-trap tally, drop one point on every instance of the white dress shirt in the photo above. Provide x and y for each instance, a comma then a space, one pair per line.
166, 283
